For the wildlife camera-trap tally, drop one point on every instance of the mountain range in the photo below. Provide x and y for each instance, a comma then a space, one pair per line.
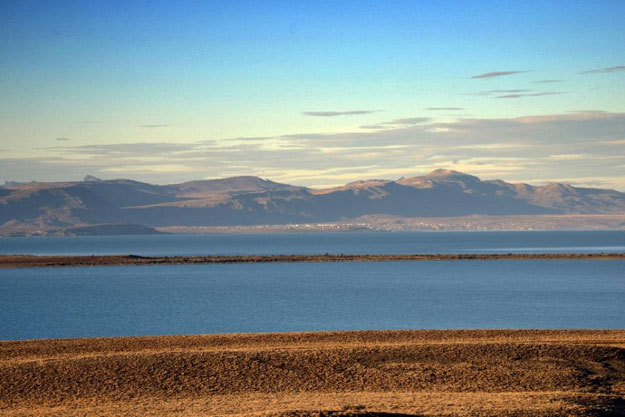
249, 200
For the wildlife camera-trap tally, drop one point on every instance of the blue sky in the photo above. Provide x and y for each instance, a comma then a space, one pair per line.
160, 91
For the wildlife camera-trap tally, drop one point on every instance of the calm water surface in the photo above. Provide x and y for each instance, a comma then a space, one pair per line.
191, 299
296, 243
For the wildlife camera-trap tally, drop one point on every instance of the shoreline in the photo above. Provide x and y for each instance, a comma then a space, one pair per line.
357, 373
41, 261
367, 223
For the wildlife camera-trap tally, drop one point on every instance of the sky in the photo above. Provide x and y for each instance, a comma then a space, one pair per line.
313, 93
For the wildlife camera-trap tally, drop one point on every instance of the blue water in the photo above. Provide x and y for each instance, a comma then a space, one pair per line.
192, 299
399, 242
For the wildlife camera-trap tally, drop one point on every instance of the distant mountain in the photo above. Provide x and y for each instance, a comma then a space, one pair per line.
229, 186
251, 200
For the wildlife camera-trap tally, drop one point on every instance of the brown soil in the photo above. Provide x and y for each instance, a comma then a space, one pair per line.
25, 261
376, 374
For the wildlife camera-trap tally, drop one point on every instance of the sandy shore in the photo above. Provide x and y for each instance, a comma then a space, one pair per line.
25, 261
385, 373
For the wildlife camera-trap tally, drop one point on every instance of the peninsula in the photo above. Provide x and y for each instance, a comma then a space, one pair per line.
24, 261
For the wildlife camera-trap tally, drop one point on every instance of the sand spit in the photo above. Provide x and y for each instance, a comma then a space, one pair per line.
381, 373
25, 261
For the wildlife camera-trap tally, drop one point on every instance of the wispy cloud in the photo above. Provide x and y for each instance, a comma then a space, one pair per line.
374, 127
603, 182
62, 139
547, 81
247, 139
150, 168
574, 145
305, 136
409, 121
491, 92
491, 146
338, 113
497, 74
614, 142
568, 157
125, 149
539, 94
444, 108
604, 70
159, 125
514, 93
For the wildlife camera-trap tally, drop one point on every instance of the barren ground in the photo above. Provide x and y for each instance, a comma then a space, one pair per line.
382, 373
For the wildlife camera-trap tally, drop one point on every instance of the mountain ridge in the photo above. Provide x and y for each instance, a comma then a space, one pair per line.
250, 200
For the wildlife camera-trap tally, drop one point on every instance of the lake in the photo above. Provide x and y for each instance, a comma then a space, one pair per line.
193, 299
302, 243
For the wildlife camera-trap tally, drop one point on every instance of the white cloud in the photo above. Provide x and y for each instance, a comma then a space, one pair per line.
161, 168
568, 157
570, 145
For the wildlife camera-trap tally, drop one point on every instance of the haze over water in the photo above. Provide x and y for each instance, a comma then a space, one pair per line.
319, 243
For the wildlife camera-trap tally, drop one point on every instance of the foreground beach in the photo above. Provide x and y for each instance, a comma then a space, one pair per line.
382, 373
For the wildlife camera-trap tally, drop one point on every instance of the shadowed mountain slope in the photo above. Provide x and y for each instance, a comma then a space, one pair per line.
229, 186
251, 201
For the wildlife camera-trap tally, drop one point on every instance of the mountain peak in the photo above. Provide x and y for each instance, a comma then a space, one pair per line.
447, 173
367, 183
242, 183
